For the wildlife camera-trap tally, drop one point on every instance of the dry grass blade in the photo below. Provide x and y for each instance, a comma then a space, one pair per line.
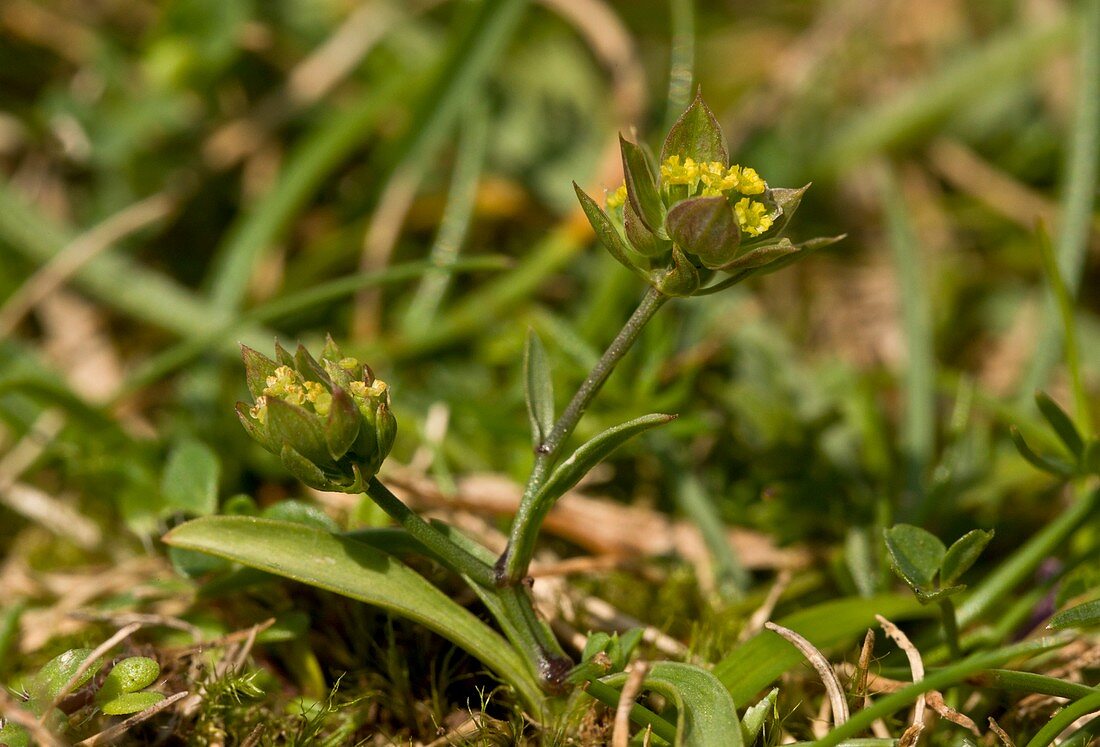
915, 662
911, 736
756, 621
825, 671
937, 704
1001, 734
87, 664
109, 735
620, 737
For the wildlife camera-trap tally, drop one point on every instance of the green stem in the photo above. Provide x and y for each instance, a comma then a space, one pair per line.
446, 550
950, 628
609, 696
512, 565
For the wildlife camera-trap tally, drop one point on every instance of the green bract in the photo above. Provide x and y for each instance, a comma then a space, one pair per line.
329, 421
693, 215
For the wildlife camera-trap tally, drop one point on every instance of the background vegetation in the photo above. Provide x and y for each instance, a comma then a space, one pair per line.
181, 176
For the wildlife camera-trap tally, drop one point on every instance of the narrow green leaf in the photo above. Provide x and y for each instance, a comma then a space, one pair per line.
190, 479
605, 230
580, 462
1061, 422
916, 554
962, 554
641, 188
927, 596
696, 135
354, 570
539, 389
1081, 616
752, 665
705, 712
1045, 464
1063, 719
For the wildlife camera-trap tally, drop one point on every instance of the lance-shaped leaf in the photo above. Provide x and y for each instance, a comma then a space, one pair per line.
962, 554
257, 367
705, 713
1046, 464
353, 569
696, 135
705, 227
1061, 422
580, 462
294, 425
761, 255
802, 250
342, 423
680, 279
1082, 616
605, 230
539, 389
641, 188
916, 554
640, 238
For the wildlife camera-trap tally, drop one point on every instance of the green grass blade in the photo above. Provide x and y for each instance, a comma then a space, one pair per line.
1011, 572
919, 426
1062, 720
754, 664
936, 681
730, 576
142, 293
310, 163
918, 109
1079, 195
455, 222
352, 569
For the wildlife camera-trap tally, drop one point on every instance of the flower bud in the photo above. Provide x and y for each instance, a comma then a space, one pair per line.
329, 421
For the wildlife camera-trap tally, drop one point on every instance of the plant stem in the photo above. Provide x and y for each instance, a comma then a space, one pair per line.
443, 548
950, 628
512, 565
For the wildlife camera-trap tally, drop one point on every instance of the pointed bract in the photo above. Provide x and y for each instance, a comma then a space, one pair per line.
342, 424
257, 367
291, 424
696, 135
641, 187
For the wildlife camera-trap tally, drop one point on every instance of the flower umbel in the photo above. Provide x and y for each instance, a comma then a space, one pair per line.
329, 421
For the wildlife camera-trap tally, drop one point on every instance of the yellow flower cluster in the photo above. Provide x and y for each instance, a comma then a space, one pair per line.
752, 216
287, 385
617, 198
715, 178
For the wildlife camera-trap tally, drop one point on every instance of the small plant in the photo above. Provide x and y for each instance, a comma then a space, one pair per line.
121, 692
933, 571
690, 225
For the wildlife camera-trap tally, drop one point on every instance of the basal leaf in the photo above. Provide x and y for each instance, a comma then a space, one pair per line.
916, 554
130, 703
190, 480
705, 712
352, 569
539, 389
961, 555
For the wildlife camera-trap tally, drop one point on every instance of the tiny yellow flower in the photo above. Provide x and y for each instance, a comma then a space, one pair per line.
285, 384
617, 198
748, 181
674, 172
752, 216
318, 396
258, 411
